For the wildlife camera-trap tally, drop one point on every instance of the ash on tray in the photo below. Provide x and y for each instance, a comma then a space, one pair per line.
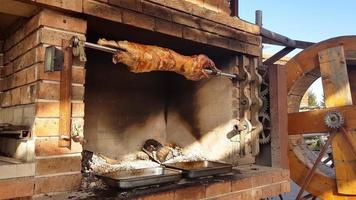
100, 165
191, 156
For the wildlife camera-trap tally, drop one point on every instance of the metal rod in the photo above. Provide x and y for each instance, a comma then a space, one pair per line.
234, 7
271, 37
258, 20
207, 71
101, 48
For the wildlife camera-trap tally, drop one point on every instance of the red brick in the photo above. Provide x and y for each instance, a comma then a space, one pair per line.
168, 28
54, 37
159, 196
195, 35
129, 4
271, 190
285, 187
196, 192
156, 11
2, 72
49, 146
257, 193
261, 180
218, 41
19, 78
31, 74
18, 187
28, 93
62, 183
61, 21
78, 74
58, 165
22, 32
185, 19
241, 184
47, 127
74, 5
5, 99
15, 96
28, 43
102, 10
231, 196
218, 188
50, 91
8, 69
138, 20
31, 57
51, 109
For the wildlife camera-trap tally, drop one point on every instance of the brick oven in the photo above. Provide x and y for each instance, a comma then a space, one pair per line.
114, 111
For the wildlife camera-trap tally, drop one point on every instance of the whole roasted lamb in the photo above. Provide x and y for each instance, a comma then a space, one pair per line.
146, 58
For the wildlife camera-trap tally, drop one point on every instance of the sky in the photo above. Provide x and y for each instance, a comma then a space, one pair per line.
308, 20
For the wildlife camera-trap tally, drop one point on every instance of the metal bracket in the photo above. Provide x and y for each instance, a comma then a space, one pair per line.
78, 49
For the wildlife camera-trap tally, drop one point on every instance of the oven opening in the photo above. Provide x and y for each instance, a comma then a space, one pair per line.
141, 120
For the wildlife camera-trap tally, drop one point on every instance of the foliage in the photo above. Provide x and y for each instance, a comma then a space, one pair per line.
312, 101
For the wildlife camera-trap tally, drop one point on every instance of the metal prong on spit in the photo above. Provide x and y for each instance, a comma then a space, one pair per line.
220, 73
76, 40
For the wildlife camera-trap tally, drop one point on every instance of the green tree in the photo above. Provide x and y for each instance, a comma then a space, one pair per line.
312, 102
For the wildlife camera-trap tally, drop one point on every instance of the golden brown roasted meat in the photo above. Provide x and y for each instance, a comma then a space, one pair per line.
146, 58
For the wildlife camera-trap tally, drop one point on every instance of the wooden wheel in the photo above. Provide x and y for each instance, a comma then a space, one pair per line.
335, 61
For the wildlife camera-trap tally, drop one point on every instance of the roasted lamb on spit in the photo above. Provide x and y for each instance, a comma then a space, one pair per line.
146, 58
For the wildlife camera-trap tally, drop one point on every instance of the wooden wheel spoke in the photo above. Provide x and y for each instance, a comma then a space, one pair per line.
337, 92
329, 60
313, 121
344, 163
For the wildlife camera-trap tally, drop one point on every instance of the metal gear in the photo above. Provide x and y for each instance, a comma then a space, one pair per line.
265, 104
334, 119
265, 136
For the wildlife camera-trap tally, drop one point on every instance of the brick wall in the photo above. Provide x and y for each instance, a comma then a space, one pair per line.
30, 96
222, 6
247, 186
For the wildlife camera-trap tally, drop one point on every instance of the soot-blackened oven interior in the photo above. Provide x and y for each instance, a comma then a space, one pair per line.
124, 109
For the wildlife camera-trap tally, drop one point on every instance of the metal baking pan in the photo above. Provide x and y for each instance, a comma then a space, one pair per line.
141, 177
197, 169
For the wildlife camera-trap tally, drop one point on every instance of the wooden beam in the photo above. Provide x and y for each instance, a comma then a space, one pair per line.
278, 99
335, 78
17, 8
270, 37
313, 121
65, 105
337, 92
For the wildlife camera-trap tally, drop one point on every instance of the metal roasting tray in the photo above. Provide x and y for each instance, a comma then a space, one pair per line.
195, 169
141, 177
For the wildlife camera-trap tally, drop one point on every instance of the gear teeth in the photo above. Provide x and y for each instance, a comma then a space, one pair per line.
334, 119
265, 105
265, 140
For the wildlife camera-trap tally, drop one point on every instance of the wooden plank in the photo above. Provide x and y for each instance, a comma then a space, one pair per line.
337, 92
278, 98
313, 121
334, 76
65, 111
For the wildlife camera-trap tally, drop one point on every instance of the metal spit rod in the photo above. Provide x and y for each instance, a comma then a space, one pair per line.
113, 50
